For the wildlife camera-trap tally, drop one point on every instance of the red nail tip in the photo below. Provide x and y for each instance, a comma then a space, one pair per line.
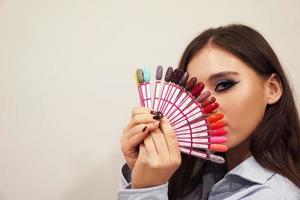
210, 108
197, 89
218, 132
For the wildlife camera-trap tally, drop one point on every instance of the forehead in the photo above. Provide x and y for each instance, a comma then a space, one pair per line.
211, 60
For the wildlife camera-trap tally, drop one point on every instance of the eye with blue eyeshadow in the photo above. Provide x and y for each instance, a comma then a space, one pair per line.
223, 85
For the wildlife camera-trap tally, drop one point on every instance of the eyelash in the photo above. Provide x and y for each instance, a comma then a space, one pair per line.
231, 83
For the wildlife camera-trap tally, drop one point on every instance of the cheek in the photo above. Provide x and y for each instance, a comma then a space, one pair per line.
243, 108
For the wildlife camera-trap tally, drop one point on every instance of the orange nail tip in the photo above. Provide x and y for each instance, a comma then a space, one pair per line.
217, 125
218, 147
215, 117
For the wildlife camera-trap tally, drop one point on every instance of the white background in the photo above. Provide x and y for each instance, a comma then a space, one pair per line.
67, 86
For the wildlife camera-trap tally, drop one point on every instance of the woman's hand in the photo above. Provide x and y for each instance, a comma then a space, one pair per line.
158, 157
141, 124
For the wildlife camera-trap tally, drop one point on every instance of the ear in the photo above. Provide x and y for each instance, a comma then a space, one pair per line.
273, 89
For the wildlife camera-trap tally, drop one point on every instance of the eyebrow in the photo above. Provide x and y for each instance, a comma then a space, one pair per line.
221, 74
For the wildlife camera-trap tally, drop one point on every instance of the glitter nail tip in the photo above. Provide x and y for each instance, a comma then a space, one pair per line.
216, 159
168, 74
176, 76
159, 72
183, 79
190, 84
140, 75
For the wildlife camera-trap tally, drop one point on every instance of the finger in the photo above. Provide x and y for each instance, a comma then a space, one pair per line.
141, 128
139, 110
150, 147
139, 132
141, 119
143, 110
142, 151
160, 143
170, 136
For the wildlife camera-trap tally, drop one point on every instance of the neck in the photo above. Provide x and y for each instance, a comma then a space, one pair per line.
238, 154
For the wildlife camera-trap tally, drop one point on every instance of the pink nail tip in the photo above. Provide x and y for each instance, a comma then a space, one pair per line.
218, 140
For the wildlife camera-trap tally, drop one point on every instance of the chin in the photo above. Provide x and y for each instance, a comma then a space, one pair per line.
230, 145
232, 141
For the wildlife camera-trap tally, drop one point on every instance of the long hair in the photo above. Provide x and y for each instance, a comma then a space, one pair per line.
276, 140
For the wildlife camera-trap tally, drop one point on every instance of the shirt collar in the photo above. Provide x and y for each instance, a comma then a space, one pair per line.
252, 171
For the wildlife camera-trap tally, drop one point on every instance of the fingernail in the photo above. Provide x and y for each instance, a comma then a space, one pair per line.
153, 112
158, 113
157, 117
144, 128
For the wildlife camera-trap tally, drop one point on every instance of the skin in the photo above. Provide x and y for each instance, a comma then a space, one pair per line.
243, 95
152, 155
243, 104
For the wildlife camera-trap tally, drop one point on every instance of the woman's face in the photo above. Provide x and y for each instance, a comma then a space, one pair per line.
239, 90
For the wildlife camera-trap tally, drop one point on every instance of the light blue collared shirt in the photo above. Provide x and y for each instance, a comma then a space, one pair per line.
247, 181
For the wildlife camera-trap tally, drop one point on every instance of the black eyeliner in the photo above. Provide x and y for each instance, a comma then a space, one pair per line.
225, 81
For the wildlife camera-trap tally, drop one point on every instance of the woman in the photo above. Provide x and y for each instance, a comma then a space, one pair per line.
263, 161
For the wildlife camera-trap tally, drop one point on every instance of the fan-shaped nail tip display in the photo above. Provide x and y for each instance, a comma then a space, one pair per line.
190, 109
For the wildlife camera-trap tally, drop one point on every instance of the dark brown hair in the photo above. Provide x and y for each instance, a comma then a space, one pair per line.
275, 142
